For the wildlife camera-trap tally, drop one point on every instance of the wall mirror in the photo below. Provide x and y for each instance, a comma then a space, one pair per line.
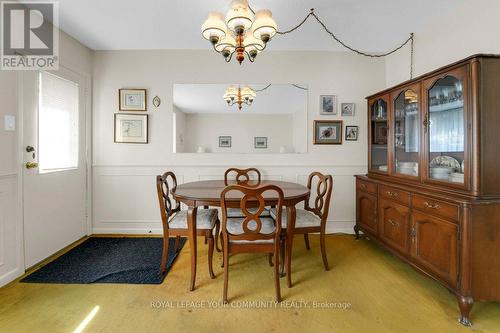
240, 118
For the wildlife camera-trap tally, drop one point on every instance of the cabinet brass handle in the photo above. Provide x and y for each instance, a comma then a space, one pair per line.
392, 194
413, 234
431, 205
393, 223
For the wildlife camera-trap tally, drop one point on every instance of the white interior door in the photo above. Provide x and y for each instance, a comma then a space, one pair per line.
54, 185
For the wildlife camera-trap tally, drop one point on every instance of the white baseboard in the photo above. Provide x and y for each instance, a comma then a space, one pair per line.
345, 227
10, 276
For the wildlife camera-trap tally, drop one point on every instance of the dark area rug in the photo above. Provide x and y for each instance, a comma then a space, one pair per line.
109, 260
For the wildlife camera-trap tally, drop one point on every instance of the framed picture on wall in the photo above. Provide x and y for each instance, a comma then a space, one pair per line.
132, 99
328, 132
351, 133
131, 128
260, 142
347, 109
328, 104
224, 142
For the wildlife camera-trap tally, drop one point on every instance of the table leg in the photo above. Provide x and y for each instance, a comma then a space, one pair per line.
290, 227
191, 221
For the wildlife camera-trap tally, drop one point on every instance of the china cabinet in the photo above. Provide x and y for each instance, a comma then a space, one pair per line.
432, 192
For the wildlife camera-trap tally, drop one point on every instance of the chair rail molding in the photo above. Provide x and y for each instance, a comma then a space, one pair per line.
124, 196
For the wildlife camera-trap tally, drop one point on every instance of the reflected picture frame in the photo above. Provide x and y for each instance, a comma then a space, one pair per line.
130, 128
132, 99
327, 132
260, 142
225, 141
328, 105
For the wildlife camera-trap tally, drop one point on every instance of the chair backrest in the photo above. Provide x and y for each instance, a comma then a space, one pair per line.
165, 184
243, 176
323, 194
252, 224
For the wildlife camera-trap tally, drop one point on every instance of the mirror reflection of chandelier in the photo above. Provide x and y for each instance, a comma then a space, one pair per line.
239, 96
243, 32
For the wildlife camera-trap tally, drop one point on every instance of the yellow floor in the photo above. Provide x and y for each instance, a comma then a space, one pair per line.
378, 293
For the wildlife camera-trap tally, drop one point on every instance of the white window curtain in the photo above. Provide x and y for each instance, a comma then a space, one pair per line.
447, 131
58, 132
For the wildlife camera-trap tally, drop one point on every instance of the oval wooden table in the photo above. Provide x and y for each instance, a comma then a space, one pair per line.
207, 193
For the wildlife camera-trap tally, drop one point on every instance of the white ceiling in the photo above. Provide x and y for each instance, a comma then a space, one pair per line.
207, 98
368, 25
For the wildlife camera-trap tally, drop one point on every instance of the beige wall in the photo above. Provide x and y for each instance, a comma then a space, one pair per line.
466, 30
118, 168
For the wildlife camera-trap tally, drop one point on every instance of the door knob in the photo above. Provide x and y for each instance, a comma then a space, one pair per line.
31, 165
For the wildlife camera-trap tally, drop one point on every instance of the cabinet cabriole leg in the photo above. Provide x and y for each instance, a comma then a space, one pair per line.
465, 304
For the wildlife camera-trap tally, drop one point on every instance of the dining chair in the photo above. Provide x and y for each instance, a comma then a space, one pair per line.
174, 220
311, 219
251, 233
250, 177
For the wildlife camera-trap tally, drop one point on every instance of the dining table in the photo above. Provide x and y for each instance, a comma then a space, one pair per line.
207, 193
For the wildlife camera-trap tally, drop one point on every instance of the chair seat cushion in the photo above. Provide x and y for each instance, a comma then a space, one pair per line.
235, 227
236, 212
304, 218
205, 219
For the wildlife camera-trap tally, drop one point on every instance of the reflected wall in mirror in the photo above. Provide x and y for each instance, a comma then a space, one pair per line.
201, 114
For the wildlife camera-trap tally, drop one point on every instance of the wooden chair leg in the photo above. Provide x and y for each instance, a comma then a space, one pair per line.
270, 259
211, 256
164, 256
226, 271
217, 231
282, 257
277, 274
306, 241
177, 243
323, 249
222, 246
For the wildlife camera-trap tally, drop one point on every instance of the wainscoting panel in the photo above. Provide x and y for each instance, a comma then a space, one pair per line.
11, 261
125, 201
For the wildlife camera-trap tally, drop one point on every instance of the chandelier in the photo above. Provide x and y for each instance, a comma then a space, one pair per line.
239, 96
243, 32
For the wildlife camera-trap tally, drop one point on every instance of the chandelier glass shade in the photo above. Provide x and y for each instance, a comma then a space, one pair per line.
242, 33
239, 96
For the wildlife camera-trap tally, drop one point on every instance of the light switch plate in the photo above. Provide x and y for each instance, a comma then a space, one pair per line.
9, 123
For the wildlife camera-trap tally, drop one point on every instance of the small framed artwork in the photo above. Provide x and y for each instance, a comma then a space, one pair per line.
132, 99
351, 133
328, 104
380, 136
224, 142
347, 109
131, 128
328, 132
260, 142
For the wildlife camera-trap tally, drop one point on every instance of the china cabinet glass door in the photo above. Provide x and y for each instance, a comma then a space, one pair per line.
379, 132
445, 128
406, 132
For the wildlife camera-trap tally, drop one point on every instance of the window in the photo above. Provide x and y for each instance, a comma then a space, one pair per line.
58, 131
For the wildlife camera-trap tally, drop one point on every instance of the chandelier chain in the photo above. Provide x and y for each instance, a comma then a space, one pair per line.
338, 40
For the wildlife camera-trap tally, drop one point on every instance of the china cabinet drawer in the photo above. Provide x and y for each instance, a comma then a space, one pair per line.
366, 186
400, 196
436, 207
